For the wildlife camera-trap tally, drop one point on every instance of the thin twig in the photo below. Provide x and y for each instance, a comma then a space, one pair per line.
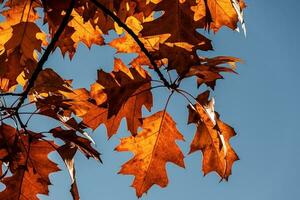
183, 91
10, 94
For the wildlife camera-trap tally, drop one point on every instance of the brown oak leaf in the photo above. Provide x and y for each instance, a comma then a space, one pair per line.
153, 147
212, 138
28, 163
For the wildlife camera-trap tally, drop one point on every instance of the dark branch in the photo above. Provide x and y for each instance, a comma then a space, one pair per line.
10, 94
135, 37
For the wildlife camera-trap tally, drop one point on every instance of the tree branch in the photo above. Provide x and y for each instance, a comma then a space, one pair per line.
10, 94
46, 54
135, 37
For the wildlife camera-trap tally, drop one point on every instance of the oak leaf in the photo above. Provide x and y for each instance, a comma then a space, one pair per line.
96, 17
153, 147
126, 91
19, 53
67, 153
29, 165
79, 101
179, 58
90, 106
126, 44
120, 85
210, 68
49, 82
85, 32
178, 22
212, 138
11, 69
24, 37
223, 13
82, 144
53, 14
131, 110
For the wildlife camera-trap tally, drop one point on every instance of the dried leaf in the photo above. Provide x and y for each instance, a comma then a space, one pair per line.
212, 138
153, 147
83, 144
67, 153
28, 163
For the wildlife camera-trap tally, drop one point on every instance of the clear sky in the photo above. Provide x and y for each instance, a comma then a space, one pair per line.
261, 103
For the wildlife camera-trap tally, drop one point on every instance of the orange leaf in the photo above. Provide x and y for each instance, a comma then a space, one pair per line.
131, 110
222, 13
212, 138
121, 85
83, 144
179, 24
178, 21
85, 32
19, 53
153, 147
209, 70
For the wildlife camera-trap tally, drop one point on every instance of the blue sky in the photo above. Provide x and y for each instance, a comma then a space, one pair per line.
261, 103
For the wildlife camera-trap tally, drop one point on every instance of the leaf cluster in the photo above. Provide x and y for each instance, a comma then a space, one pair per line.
164, 35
